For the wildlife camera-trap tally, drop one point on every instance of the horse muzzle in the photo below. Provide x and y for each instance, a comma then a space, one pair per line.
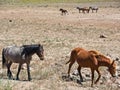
114, 75
41, 58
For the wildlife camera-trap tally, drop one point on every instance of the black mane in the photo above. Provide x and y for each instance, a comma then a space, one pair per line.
30, 49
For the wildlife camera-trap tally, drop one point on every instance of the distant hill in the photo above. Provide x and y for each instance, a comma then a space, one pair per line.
52, 1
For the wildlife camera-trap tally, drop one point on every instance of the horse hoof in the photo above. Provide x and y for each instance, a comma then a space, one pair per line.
95, 83
79, 82
10, 79
29, 79
17, 79
92, 85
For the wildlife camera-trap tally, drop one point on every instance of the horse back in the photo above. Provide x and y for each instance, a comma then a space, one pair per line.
14, 50
85, 59
94, 52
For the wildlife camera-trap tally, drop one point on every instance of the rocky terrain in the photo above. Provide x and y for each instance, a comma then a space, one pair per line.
59, 34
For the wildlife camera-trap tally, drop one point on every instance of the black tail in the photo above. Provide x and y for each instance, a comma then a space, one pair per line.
3, 59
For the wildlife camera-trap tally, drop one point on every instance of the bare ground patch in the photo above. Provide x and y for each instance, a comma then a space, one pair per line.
59, 35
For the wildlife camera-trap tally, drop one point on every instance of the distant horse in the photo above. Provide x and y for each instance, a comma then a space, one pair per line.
21, 55
80, 9
83, 9
92, 60
63, 11
94, 9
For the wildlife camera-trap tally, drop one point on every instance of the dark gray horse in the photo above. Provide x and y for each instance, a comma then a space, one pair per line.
21, 55
94, 9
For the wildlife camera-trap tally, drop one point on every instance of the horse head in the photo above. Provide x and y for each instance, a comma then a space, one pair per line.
77, 8
40, 52
112, 69
90, 7
60, 9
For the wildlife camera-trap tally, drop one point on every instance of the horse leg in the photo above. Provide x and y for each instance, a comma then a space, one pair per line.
70, 65
79, 71
98, 76
19, 68
92, 70
84, 11
65, 13
92, 11
96, 11
61, 13
88, 11
28, 71
9, 73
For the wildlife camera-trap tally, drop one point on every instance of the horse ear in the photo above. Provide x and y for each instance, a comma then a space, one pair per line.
39, 45
113, 62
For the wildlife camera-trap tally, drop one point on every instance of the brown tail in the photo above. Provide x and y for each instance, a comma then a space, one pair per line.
67, 62
72, 57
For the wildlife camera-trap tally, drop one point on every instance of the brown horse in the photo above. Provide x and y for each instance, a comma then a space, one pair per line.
83, 9
91, 59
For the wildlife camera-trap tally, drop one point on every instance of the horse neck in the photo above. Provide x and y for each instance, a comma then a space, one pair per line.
31, 50
104, 62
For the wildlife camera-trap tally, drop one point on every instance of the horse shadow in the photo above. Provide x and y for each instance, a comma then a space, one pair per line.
72, 78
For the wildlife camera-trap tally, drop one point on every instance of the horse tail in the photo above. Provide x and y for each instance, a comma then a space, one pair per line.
67, 62
72, 57
3, 58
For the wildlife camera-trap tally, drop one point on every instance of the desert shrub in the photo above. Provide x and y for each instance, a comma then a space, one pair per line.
5, 86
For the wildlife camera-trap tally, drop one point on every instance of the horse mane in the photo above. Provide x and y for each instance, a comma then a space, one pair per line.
31, 45
98, 55
101, 56
94, 52
29, 49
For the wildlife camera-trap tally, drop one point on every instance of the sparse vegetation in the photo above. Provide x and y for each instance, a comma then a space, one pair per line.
5, 86
42, 74
29, 24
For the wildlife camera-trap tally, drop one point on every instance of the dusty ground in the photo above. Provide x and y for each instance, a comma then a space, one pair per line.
59, 34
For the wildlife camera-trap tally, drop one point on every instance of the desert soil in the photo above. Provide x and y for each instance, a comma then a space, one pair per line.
59, 35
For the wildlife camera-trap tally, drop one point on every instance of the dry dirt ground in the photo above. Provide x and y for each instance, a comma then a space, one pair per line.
59, 35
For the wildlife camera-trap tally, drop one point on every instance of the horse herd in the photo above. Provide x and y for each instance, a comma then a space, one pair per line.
81, 9
90, 59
